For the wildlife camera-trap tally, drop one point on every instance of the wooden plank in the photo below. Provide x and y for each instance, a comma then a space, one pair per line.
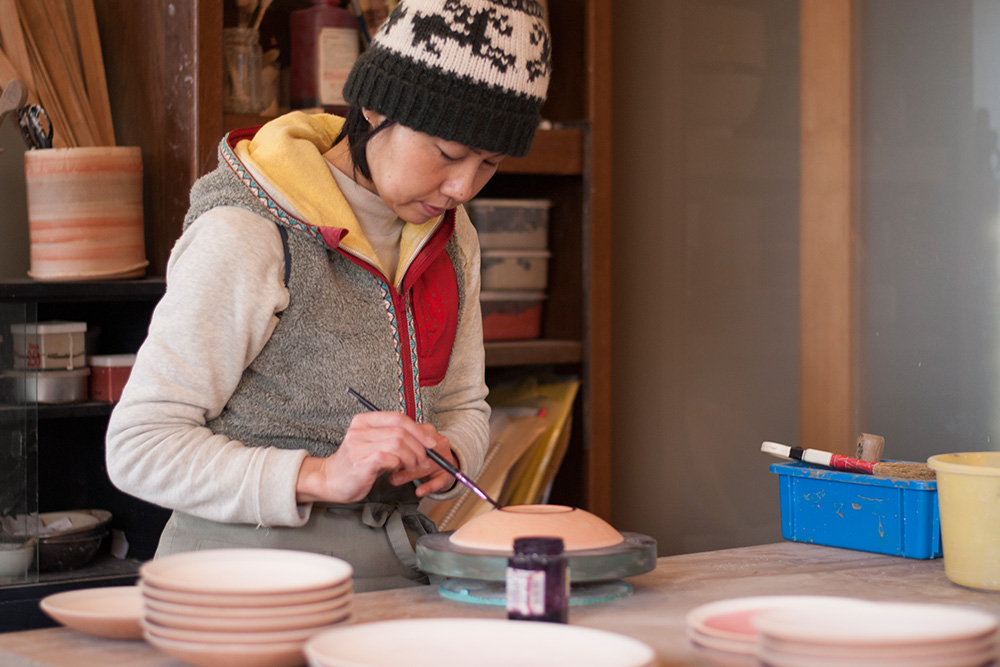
597, 260
63, 132
827, 226
533, 352
47, 28
14, 44
92, 59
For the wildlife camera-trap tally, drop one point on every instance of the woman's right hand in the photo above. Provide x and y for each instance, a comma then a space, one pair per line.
375, 443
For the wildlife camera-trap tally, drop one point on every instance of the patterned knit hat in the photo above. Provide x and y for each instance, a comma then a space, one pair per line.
470, 71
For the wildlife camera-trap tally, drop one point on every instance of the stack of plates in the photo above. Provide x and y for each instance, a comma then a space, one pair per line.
728, 626
816, 631
886, 634
471, 641
245, 607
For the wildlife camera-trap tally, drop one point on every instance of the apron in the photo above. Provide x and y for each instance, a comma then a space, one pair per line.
376, 538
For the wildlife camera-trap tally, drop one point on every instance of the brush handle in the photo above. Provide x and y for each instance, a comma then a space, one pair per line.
819, 457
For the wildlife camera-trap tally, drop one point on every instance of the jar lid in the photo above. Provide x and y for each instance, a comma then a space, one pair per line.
542, 546
49, 327
111, 360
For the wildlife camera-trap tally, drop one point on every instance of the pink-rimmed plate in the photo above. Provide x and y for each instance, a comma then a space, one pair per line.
246, 572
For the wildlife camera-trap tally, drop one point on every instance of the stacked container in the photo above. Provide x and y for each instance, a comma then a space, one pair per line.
49, 362
513, 238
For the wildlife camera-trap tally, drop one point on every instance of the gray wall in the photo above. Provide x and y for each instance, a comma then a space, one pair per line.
705, 354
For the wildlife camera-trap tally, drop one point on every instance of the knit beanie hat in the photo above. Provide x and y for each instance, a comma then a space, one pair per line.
470, 71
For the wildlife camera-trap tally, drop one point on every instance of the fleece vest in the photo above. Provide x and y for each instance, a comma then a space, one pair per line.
345, 326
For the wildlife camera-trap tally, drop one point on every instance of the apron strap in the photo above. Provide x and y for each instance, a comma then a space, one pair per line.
394, 518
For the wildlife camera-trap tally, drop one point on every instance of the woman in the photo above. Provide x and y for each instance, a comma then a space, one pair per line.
325, 254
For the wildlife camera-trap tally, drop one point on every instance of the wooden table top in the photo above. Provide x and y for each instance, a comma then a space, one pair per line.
654, 613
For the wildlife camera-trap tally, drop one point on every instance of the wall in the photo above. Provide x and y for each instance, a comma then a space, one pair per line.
705, 356
706, 251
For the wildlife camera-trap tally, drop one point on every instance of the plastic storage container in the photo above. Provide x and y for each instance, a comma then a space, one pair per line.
969, 501
511, 224
49, 345
857, 511
511, 315
515, 269
108, 375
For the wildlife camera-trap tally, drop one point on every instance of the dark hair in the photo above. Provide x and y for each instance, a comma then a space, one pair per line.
358, 132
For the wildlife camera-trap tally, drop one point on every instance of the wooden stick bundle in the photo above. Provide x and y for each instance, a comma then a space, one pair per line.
54, 48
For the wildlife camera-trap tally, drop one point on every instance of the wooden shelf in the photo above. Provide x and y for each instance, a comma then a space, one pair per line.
558, 152
94, 290
60, 410
533, 352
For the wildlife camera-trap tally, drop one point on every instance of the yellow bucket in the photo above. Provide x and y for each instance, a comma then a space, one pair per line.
968, 487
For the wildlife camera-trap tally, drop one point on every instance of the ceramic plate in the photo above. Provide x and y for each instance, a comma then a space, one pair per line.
719, 644
732, 619
250, 612
112, 611
245, 571
231, 655
779, 659
248, 600
480, 642
212, 637
902, 652
877, 623
263, 624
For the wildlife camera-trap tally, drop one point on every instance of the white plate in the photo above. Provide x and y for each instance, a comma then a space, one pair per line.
250, 612
245, 601
232, 655
112, 611
719, 644
976, 646
246, 571
732, 618
212, 637
480, 642
264, 624
779, 659
881, 623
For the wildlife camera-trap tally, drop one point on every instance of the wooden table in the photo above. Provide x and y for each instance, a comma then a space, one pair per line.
654, 613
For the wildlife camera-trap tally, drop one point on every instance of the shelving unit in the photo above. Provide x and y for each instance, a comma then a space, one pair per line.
175, 87
65, 442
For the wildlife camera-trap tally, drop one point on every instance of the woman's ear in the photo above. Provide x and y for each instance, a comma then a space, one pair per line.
374, 118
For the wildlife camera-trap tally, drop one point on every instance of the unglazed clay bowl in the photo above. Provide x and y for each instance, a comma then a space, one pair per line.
496, 530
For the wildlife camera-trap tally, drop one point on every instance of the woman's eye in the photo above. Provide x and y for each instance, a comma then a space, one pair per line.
447, 157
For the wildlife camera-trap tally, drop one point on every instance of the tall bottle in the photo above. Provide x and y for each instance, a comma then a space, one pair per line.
325, 43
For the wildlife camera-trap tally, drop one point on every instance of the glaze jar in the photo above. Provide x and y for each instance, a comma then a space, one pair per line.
537, 580
325, 44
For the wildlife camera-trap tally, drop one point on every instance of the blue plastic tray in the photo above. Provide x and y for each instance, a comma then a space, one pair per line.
855, 511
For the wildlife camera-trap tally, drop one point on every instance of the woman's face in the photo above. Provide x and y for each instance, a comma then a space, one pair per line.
420, 176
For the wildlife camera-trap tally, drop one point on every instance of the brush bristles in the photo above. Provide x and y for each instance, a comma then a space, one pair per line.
914, 471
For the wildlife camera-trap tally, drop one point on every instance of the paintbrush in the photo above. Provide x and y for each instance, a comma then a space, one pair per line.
894, 469
434, 456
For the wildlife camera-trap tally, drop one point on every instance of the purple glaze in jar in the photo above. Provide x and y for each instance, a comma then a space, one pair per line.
538, 580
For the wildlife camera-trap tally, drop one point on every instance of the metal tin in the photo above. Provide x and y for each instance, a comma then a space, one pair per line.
48, 386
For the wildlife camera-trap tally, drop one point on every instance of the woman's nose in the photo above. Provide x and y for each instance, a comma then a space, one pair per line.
460, 184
